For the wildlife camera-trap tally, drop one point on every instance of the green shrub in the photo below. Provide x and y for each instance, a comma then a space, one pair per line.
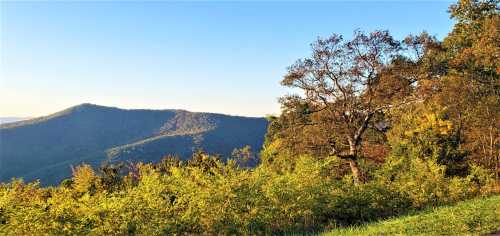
358, 204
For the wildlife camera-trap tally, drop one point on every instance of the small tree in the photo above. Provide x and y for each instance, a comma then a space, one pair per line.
84, 179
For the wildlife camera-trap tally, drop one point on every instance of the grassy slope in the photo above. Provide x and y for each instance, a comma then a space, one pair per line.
474, 217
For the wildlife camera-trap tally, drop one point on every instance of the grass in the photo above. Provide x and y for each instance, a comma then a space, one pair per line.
479, 216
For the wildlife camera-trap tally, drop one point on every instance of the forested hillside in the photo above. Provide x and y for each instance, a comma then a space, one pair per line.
46, 148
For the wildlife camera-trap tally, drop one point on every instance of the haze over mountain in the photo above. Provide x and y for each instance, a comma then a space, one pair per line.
45, 148
10, 119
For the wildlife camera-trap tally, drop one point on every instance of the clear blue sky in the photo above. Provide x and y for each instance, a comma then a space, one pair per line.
224, 57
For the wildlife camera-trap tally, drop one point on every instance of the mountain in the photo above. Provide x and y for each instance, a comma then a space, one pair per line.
4, 120
45, 148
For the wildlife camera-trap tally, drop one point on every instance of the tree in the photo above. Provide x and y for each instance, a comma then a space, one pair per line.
469, 84
473, 45
85, 179
350, 84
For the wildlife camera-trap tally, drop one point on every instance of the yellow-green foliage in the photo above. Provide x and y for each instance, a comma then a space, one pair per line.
426, 163
425, 182
189, 199
206, 196
84, 179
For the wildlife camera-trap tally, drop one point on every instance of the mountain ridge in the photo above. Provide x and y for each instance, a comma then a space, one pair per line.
44, 148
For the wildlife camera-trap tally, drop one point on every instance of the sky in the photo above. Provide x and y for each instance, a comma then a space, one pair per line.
223, 57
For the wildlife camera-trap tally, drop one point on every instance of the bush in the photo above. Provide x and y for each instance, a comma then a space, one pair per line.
358, 204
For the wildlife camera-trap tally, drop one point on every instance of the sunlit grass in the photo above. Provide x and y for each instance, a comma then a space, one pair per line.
474, 217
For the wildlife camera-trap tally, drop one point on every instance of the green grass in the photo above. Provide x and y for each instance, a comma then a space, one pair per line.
474, 217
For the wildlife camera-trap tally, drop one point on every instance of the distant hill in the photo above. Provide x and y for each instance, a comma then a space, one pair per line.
45, 148
4, 120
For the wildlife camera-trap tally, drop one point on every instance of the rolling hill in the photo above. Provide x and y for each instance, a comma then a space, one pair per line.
45, 148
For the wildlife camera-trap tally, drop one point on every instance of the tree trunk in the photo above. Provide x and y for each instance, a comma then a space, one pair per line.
357, 173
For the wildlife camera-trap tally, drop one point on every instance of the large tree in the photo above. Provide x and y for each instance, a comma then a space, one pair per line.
346, 86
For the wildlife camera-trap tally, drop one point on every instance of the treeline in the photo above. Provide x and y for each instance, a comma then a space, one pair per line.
382, 128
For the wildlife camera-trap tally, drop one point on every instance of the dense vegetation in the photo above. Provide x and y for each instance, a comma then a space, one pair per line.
382, 128
473, 217
47, 147
204, 195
